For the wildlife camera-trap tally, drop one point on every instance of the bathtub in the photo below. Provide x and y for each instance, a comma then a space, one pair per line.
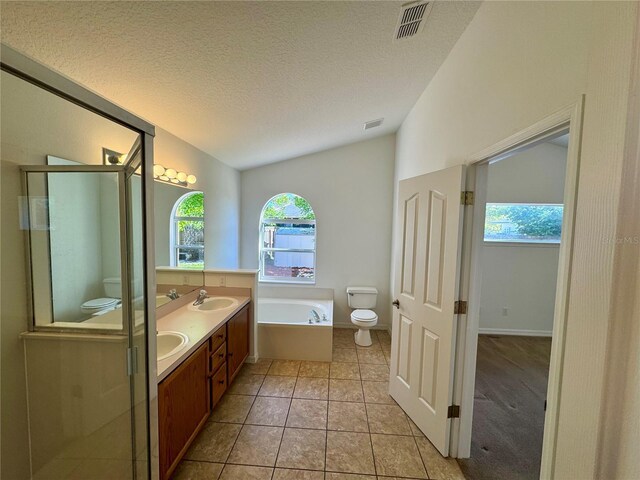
285, 333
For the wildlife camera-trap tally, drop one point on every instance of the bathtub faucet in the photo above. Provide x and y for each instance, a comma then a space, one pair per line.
201, 297
315, 316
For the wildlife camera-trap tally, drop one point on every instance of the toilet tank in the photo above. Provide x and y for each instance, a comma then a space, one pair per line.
112, 287
362, 297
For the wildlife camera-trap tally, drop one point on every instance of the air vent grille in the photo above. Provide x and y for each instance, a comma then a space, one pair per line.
412, 17
373, 123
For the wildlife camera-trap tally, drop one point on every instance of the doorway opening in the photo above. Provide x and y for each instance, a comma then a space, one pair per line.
518, 260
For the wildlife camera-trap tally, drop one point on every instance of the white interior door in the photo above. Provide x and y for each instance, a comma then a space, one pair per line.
427, 257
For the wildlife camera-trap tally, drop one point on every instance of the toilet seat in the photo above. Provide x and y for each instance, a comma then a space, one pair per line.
99, 304
364, 316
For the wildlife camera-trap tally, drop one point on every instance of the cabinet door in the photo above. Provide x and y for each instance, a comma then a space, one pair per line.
237, 341
183, 407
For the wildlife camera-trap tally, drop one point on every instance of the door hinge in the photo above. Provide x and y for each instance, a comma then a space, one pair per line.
460, 307
132, 360
466, 198
453, 411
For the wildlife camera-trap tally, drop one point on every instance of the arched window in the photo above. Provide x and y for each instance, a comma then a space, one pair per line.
287, 240
187, 231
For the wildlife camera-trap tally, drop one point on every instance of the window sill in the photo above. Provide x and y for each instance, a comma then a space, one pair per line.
287, 282
521, 244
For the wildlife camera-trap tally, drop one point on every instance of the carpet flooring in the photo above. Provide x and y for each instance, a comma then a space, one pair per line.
508, 416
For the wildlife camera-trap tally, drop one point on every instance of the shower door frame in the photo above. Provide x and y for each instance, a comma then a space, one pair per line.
35, 73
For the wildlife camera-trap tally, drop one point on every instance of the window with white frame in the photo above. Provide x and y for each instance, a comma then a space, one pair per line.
287, 240
187, 231
523, 223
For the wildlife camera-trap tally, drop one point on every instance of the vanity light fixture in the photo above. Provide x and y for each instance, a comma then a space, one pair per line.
160, 173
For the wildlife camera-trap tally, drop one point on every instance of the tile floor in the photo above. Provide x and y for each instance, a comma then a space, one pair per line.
291, 420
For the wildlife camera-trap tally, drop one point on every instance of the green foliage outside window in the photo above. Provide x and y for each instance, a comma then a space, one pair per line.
531, 222
277, 207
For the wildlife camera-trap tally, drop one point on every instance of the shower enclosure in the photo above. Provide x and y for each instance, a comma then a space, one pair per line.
79, 385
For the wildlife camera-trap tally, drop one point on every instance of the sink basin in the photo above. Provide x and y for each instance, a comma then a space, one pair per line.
214, 304
170, 343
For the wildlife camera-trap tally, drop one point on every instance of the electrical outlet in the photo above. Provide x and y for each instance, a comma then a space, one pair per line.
505, 311
223, 281
185, 280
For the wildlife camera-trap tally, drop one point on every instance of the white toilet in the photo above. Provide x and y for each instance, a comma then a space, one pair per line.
112, 290
363, 299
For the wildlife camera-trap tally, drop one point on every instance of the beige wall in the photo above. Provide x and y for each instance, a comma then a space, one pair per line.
351, 191
522, 278
517, 63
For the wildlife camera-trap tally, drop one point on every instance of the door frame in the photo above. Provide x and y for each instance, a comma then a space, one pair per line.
569, 119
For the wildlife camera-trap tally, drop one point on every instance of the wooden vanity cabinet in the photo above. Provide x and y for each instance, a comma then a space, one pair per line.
183, 407
237, 342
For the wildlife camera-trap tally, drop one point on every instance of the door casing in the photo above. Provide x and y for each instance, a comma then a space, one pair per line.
569, 119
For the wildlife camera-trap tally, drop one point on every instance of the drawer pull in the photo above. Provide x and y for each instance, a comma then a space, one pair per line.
230, 354
221, 355
221, 336
221, 382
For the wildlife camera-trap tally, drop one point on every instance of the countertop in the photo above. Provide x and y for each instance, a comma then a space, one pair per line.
198, 326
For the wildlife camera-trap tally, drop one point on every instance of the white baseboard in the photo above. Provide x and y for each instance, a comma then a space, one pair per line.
509, 331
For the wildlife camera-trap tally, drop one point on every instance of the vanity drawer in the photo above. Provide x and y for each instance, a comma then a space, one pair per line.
218, 384
218, 338
218, 357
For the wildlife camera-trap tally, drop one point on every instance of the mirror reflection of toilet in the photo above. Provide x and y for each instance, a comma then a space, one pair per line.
112, 290
363, 299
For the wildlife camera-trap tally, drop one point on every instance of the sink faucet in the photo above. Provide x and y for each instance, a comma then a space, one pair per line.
173, 294
201, 297
315, 316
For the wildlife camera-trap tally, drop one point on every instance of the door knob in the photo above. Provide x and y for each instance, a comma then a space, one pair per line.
396, 303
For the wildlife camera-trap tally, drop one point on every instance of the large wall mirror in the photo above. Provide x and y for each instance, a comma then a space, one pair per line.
179, 240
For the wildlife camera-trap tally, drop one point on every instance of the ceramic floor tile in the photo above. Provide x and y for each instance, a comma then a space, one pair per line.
389, 419
308, 414
261, 367
377, 392
415, 430
387, 356
269, 411
246, 384
314, 369
188, 470
438, 466
384, 337
374, 372
302, 448
256, 445
214, 442
312, 388
349, 453
289, 474
397, 456
242, 472
344, 355
277, 386
285, 368
374, 355
349, 476
344, 343
345, 371
347, 416
345, 390
232, 409
343, 332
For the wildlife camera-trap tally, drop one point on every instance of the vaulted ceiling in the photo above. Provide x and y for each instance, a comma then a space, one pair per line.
247, 82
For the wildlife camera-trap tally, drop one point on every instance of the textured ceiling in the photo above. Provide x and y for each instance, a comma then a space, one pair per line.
247, 82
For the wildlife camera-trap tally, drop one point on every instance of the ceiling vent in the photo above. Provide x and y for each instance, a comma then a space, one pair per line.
412, 19
373, 123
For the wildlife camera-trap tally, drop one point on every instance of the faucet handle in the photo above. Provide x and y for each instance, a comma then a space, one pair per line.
204, 293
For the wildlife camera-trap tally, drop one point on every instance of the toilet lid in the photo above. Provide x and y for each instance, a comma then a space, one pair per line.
364, 315
100, 303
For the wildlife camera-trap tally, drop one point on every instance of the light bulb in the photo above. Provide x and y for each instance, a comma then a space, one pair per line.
164, 178
158, 170
191, 179
175, 180
170, 172
182, 177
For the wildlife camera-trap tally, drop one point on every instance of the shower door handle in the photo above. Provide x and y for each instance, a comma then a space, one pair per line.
396, 303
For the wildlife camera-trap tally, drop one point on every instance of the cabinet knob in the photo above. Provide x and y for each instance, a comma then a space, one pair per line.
221, 355
221, 382
221, 336
230, 354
